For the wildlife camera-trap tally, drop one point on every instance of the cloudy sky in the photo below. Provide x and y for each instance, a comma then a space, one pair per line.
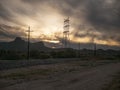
90, 20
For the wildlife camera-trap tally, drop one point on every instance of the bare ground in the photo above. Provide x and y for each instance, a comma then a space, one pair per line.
67, 76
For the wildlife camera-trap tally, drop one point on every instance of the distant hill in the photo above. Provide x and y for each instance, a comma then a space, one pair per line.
20, 45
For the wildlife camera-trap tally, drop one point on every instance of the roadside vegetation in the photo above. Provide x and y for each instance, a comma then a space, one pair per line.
84, 54
25, 74
114, 84
49, 64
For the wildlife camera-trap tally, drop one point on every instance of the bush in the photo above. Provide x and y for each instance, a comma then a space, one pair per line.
63, 54
39, 55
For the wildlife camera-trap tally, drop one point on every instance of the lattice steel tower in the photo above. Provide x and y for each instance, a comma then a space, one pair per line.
66, 32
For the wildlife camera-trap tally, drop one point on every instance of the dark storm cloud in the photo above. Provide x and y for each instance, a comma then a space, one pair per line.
4, 13
98, 13
35, 1
105, 18
8, 12
4, 34
64, 6
11, 32
102, 15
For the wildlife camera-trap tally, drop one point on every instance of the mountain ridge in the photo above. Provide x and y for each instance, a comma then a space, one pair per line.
18, 44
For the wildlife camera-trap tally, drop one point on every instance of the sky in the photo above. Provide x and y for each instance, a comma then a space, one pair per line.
91, 21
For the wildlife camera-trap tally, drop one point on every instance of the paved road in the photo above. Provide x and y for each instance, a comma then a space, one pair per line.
92, 79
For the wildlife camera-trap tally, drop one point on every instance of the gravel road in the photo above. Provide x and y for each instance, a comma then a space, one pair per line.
91, 79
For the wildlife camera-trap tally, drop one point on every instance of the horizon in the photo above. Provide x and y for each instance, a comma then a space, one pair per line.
89, 46
91, 21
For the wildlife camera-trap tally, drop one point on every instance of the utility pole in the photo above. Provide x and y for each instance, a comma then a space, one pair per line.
79, 49
94, 49
28, 47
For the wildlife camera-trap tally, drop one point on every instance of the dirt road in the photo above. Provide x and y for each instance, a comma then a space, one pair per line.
91, 79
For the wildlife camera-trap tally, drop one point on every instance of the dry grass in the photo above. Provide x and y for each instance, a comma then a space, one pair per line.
114, 84
18, 75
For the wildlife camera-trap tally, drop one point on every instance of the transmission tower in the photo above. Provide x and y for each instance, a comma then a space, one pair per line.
66, 32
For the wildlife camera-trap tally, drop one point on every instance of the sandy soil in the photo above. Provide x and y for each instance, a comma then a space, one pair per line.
89, 79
